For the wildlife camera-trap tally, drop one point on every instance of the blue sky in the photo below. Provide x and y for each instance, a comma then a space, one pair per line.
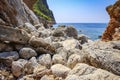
80, 11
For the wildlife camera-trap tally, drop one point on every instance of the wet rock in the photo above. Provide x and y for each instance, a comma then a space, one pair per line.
83, 39
45, 60
60, 70
27, 53
18, 67
71, 32
71, 44
86, 72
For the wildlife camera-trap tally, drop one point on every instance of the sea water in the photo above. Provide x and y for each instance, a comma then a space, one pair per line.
92, 30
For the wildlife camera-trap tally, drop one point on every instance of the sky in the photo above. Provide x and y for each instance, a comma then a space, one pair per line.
80, 11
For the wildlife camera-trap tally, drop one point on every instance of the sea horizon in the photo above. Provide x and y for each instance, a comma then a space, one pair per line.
91, 30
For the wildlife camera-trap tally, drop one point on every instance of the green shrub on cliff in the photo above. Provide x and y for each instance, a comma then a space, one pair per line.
41, 10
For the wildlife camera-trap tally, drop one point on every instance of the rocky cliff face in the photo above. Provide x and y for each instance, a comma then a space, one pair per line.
41, 8
112, 32
15, 12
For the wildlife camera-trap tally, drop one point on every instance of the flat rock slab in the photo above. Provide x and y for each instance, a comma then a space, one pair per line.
13, 35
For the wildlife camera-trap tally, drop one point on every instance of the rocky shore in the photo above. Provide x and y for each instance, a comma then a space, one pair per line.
31, 51
56, 54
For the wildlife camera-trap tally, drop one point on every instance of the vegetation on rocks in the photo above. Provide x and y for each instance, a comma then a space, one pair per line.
41, 10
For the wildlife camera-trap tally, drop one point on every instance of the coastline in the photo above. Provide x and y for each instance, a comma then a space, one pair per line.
91, 30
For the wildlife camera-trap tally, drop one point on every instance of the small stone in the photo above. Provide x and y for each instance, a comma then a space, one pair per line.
60, 70
18, 67
45, 60
73, 60
29, 27
30, 65
71, 43
58, 59
46, 77
27, 53
83, 38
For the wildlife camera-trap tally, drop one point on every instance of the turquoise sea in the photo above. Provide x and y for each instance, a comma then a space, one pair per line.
92, 30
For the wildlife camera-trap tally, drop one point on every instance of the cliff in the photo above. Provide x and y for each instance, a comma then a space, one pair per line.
15, 12
41, 8
112, 32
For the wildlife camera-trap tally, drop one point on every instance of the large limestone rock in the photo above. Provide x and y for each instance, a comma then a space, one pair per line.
13, 35
85, 72
103, 56
60, 70
27, 53
110, 33
59, 32
41, 45
71, 32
